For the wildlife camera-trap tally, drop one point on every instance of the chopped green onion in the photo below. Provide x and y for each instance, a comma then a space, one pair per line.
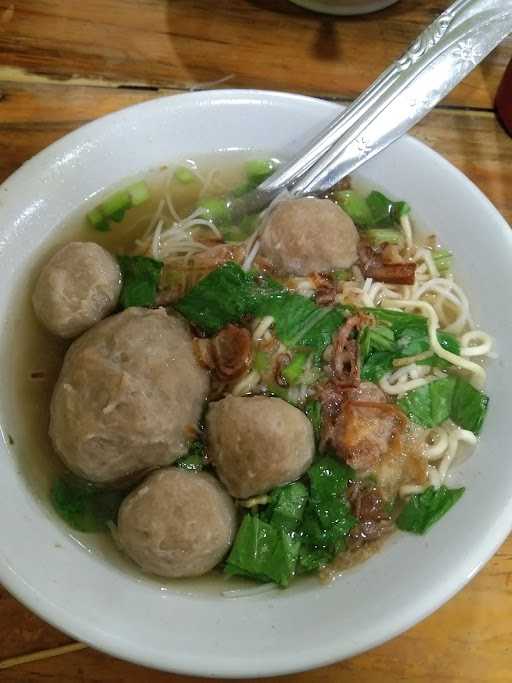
443, 260
217, 210
97, 220
120, 201
248, 224
294, 370
376, 209
184, 175
238, 233
139, 193
115, 206
384, 235
258, 170
242, 189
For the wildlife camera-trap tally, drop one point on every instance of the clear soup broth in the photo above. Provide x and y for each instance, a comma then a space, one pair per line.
32, 357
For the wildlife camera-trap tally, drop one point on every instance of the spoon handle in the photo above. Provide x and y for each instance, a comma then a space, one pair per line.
442, 56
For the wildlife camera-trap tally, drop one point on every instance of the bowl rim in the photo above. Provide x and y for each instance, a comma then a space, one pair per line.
466, 569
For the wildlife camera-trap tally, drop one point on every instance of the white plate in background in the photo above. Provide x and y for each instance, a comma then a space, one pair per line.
344, 6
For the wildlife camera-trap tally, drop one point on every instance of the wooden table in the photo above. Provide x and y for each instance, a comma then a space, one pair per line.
64, 62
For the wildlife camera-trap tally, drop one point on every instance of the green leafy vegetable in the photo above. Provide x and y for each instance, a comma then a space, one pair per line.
313, 410
430, 404
299, 322
140, 276
425, 509
83, 506
450, 397
397, 320
327, 517
398, 335
378, 338
469, 406
302, 528
286, 507
356, 207
384, 211
414, 341
376, 365
228, 294
195, 458
262, 552
225, 295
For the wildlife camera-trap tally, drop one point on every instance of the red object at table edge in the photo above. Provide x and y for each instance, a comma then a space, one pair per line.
503, 101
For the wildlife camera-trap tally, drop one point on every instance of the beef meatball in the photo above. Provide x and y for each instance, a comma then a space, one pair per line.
309, 235
257, 443
129, 396
177, 523
78, 287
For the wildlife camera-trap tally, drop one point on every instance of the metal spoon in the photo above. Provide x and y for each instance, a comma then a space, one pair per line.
442, 56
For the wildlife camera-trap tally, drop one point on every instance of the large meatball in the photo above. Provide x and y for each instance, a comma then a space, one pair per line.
177, 523
78, 287
257, 443
129, 396
309, 235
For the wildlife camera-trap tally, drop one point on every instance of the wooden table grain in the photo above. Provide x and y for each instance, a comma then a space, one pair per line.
63, 63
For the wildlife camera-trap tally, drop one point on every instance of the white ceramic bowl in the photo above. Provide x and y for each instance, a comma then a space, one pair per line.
307, 625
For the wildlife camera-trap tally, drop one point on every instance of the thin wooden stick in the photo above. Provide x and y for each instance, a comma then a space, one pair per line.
42, 654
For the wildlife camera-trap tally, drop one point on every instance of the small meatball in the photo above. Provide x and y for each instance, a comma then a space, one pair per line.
366, 431
129, 396
308, 235
78, 287
177, 523
257, 443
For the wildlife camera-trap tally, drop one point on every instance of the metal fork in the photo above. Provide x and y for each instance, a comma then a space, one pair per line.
442, 56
